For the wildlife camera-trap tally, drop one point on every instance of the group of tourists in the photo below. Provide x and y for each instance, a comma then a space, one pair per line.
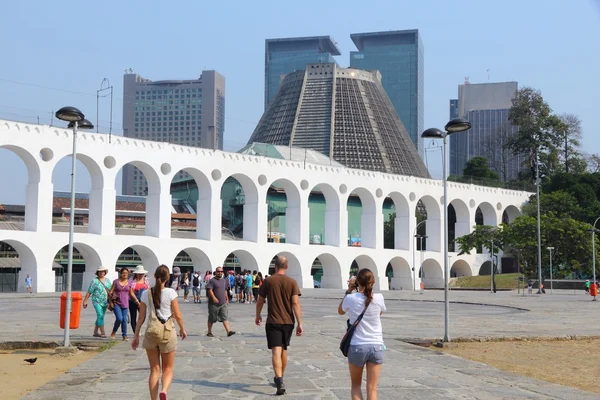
135, 300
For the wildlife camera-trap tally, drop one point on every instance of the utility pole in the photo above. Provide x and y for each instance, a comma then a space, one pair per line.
539, 234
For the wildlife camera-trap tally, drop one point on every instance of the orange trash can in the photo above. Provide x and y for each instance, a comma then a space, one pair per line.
76, 301
593, 290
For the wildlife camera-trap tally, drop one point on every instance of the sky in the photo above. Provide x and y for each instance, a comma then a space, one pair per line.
58, 53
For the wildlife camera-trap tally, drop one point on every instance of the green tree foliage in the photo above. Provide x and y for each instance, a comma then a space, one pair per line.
561, 203
388, 232
569, 237
477, 167
482, 236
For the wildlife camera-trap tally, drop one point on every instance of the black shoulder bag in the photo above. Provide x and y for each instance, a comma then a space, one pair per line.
345, 343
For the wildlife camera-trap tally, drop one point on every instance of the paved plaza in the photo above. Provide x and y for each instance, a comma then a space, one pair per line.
239, 367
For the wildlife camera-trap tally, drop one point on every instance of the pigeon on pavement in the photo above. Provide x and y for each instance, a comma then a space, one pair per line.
31, 361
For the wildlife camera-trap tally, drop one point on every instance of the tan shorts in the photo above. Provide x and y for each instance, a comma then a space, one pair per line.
164, 347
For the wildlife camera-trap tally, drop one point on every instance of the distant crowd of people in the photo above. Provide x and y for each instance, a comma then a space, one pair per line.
134, 301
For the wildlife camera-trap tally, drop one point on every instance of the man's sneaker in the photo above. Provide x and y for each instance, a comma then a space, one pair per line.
280, 386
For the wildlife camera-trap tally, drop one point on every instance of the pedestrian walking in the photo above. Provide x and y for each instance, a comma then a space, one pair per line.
196, 285
283, 310
160, 339
249, 281
587, 285
366, 345
231, 279
216, 290
139, 285
255, 285
98, 291
529, 286
28, 284
175, 280
239, 283
185, 285
123, 291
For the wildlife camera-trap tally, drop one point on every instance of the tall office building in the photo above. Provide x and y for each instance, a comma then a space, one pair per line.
398, 55
343, 113
283, 56
486, 106
187, 112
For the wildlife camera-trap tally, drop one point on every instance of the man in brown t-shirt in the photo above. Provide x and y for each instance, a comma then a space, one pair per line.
284, 304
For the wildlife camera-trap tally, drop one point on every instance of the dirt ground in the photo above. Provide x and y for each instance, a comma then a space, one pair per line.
573, 363
17, 377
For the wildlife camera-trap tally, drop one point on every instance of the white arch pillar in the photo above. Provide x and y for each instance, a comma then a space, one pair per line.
371, 229
158, 210
255, 214
102, 206
208, 214
336, 226
38, 204
297, 224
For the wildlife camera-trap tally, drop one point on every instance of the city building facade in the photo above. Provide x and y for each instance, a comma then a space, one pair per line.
286, 55
186, 112
343, 113
399, 56
486, 106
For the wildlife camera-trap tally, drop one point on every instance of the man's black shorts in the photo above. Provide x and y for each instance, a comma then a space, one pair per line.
279, 335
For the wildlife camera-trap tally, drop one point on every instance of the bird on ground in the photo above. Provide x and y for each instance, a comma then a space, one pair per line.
31, 361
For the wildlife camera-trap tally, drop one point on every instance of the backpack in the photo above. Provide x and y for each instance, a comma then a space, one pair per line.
195, 281
244, 283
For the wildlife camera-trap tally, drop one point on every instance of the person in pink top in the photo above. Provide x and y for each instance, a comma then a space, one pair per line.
139, 284
123, 291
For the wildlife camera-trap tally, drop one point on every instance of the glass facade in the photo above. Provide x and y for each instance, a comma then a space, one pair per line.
400, 59
283, 56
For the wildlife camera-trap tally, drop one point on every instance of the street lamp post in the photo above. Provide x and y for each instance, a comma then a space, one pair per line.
454, 126
76, 119
594, 230
550, 253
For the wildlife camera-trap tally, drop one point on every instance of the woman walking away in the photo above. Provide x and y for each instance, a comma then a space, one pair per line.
160, 340
123, 290
139, 285
98, 290
185, 285
366, 346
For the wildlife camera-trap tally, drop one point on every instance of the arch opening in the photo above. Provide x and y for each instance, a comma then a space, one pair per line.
431, 274
140, 205
396, 214
400, 276
283, 212
362, 218
458, 222
364, 261
239, 202
85, 262
509, 214
428, 224
460, 268
324, 211
327, 272
191, 205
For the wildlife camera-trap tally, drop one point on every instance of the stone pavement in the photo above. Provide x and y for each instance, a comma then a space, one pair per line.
239, 367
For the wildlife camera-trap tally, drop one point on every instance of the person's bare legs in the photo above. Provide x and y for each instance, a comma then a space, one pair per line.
168, 362
356, 374
283, 361
373, 371
210, 324
154, 360
276, 358
226, 325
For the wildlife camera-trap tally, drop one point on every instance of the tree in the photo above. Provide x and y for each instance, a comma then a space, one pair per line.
561, 203
482, 236
388, 232
569, 133
593, 163
569, 237
538, 130
477, 167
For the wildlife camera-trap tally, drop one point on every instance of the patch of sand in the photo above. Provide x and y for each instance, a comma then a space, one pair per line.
573, 363
17, 378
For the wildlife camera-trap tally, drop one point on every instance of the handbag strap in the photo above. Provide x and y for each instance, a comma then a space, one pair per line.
360, 317
151, 300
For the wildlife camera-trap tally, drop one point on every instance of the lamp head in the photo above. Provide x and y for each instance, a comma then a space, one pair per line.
457, 125
69, 114
433, 133
83, 124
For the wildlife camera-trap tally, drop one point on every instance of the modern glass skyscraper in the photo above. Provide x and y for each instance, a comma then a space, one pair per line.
398, 55
186, 112
486, 106
283, 56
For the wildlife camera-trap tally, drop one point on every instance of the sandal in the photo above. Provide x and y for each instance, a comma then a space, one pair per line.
97, 335
210, 335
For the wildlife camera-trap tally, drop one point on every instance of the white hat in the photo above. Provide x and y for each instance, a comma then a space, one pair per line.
101, 268
140, 270
176, 271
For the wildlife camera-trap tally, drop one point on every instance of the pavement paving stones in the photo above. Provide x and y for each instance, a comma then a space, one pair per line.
239, 367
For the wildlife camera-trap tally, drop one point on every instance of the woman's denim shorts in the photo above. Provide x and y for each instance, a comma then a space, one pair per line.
359, 355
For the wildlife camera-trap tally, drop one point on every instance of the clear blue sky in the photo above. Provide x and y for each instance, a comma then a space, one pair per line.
57, 53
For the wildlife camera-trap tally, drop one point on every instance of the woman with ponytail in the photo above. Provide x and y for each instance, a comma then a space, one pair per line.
163, 302
366, 346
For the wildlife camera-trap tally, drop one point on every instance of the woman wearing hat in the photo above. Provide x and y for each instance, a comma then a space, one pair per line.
139, 285
98, 290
